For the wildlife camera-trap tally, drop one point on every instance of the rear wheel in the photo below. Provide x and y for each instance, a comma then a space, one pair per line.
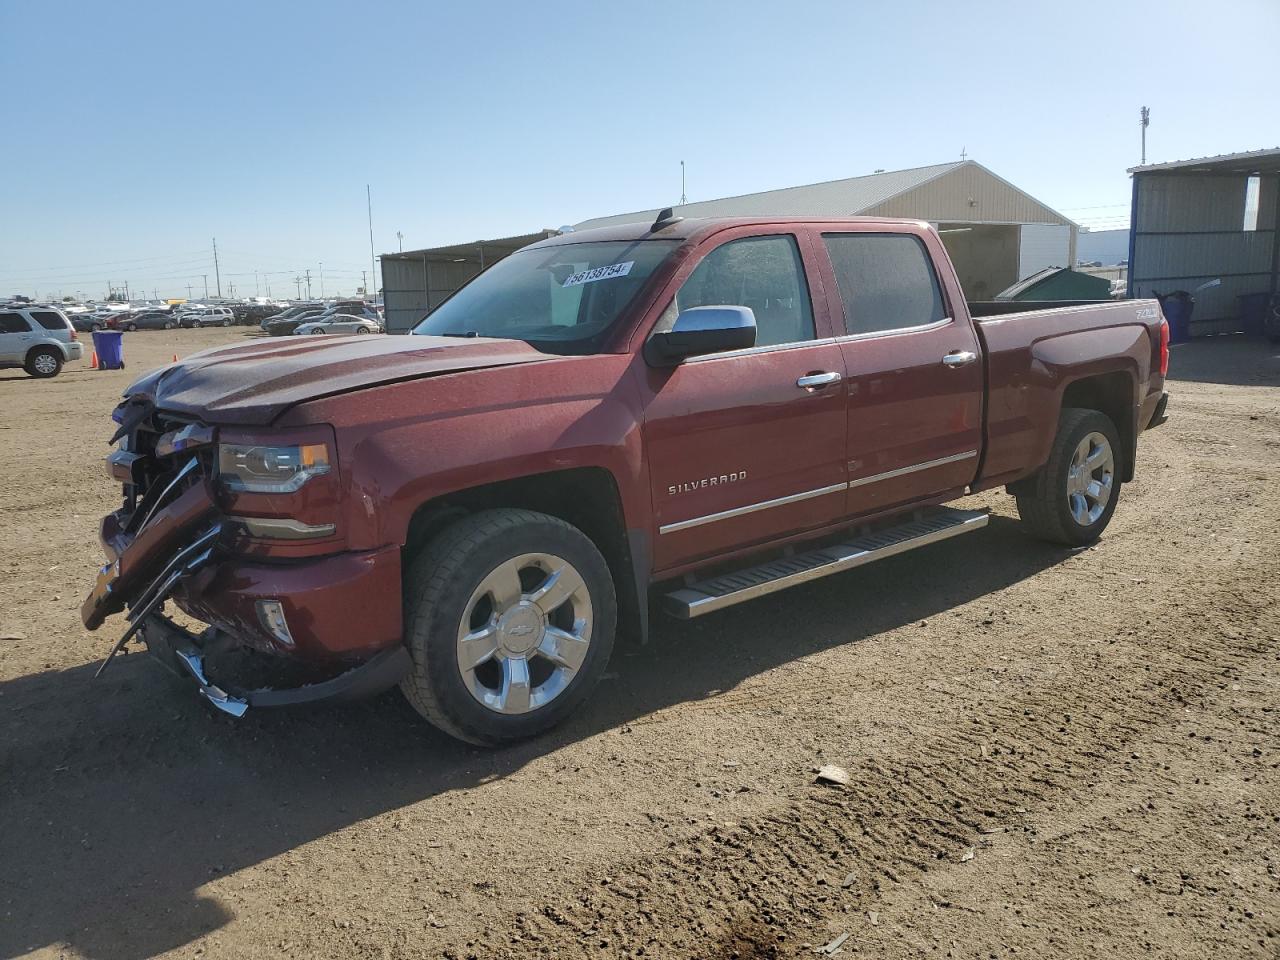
510, 619
1072, 498
360, 330
98, 326
131, 327
226, 322
44, 362
317, 333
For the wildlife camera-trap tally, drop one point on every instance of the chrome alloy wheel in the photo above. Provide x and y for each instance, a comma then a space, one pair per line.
525, 633
45, 363
1090, 479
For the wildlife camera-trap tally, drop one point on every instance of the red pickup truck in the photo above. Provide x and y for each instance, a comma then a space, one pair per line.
699, 412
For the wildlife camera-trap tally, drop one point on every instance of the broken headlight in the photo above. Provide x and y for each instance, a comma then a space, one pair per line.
256, 468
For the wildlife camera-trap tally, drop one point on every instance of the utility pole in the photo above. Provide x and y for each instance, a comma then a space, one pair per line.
400, 237
373, 262
188, 291
1146, 122
257, 292
364, 283
684, 198
298, 283
308, 279
321, 279
206, 285
217, 275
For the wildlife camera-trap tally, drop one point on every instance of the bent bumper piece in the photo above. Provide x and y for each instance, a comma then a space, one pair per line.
183, 653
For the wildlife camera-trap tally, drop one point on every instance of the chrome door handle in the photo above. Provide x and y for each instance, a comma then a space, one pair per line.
814, 380
959, 358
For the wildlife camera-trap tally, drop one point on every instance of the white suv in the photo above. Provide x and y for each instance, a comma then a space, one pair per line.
38, 339
208, 317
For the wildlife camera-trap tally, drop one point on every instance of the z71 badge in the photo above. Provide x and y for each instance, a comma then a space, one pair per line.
706, 482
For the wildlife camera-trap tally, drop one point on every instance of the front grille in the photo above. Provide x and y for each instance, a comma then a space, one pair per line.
159, 480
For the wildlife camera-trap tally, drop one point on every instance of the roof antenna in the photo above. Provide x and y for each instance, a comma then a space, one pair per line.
665, 219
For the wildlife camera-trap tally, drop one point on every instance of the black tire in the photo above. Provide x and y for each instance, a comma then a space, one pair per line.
317, 333
227, 322
98, 326
44, 362
437, 590
131, 327
1042, 499
360, 330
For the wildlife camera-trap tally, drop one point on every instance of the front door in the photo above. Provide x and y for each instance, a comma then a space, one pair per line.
747, 446
914, 372
16, 337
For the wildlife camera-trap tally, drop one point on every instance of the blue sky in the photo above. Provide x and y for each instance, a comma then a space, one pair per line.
139, 131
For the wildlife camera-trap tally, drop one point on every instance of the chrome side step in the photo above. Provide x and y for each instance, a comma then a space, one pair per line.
727, 589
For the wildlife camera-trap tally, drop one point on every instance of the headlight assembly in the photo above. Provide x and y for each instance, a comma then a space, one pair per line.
254, 468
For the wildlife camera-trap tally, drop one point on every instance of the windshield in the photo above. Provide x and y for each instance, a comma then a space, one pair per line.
560, 298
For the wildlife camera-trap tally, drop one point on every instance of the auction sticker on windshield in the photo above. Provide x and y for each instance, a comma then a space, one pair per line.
599, 273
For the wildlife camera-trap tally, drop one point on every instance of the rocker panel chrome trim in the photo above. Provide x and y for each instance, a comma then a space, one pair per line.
752, 508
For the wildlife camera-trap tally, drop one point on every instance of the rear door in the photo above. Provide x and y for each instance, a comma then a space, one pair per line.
739, 449
914, 370
16, 337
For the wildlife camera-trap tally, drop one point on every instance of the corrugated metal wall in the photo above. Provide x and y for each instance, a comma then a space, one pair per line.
1189, 229
405, 288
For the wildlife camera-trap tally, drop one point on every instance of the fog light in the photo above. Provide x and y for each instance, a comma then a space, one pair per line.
271, 616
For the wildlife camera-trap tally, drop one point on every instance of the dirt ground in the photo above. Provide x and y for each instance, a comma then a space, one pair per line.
1053, 754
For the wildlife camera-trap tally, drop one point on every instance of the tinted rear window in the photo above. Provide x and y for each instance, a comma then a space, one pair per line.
49, 320
886, 281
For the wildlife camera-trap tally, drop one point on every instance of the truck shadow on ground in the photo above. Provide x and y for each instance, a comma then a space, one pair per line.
1232, 359
122, 797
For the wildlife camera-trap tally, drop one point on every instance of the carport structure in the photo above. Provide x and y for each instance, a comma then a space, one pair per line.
417, 281
1199, 220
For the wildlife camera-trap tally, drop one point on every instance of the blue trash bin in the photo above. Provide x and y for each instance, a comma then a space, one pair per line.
109, 346
1177, 308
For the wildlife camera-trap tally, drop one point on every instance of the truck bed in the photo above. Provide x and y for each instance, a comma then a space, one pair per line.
1031, 354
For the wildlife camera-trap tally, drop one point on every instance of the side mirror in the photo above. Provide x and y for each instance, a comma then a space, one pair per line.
702, 330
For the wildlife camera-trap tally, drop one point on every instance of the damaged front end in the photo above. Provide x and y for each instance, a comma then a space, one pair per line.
173, 539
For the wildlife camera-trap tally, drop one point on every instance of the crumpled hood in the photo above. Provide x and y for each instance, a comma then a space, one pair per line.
255, 382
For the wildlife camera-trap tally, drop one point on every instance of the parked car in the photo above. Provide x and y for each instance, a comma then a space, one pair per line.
153, 320
284, 326
123, 320
87, 322
290, 313
208, 317
250, 313
339, 323
38, 339
708, 410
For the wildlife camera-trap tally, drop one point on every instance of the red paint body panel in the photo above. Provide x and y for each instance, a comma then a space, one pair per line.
411, 420
345, 606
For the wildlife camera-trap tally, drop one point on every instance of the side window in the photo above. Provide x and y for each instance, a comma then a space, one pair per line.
14, 323
887, 281
50, 321
763, 273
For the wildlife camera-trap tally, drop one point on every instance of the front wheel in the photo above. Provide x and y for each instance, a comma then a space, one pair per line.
226, 322
317, 333
1071, 500
510, 618
131, 327
360, 330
